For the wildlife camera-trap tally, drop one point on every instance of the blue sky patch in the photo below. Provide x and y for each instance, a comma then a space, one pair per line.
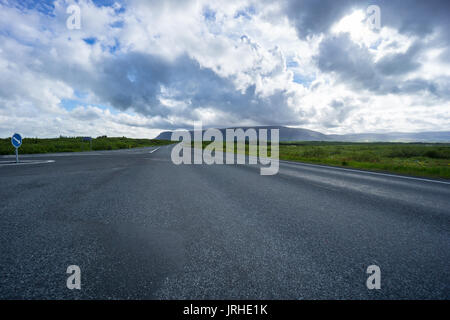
70, 104
91, 41
305, 81
210, 15
117, 24
246, 13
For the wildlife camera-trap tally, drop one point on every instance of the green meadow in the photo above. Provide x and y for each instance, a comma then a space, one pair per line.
416, 159
76, 144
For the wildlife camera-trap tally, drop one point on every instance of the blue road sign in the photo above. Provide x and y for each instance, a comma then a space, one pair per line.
16, 140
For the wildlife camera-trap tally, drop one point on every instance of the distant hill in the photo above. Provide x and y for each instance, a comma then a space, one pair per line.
299, 134
286, 134
437, 136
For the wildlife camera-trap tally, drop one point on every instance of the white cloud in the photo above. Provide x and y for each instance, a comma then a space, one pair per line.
164, 64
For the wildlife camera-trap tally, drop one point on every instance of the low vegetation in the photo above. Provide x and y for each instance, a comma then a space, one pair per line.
76, 144
418, 159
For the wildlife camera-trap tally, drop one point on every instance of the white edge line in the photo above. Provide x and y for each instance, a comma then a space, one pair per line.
23, 163
363, 171
154, 150
357, 171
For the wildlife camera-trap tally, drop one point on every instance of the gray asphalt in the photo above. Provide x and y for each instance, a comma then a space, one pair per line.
141, 227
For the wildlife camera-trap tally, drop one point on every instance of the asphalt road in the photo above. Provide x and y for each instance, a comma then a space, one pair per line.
141, 227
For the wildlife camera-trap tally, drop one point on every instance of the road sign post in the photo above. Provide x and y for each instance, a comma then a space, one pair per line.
90, 141
16, 141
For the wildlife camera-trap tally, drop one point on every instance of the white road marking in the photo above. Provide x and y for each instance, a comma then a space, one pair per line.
154, 150
22, 162
363, 171
354, 170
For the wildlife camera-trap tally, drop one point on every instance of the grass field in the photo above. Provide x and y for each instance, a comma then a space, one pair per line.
63, 144
417, 159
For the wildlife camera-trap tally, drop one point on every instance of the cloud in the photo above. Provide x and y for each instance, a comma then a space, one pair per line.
355, 64
312, 17
351, 62
400, 63
413, 17
142, 67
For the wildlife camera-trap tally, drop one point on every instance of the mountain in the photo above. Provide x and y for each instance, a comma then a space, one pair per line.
299, 134
286, 134
165, 135
437, 136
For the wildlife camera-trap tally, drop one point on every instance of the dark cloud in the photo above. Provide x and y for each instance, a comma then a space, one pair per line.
351, 62
412, 17
312, 17
354, 64
400, 63
416, 17
136, 81
439, 88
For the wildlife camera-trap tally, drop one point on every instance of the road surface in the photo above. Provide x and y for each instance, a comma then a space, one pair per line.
140, 227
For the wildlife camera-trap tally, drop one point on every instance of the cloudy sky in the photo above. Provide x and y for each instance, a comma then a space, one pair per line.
135, 68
